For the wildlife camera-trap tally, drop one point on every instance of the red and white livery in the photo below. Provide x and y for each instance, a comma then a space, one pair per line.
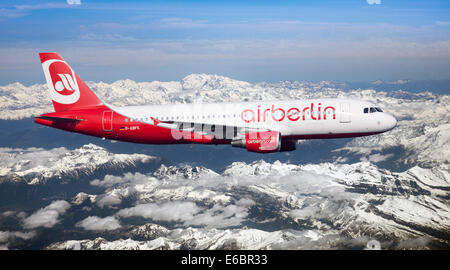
261, 126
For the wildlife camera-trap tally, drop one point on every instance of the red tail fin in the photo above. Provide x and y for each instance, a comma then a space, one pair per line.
67, 90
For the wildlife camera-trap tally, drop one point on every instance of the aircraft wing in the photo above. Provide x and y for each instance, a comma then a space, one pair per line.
215, 130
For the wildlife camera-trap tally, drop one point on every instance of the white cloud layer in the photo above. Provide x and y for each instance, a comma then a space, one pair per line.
189, 214
219, 217
7, 236
109, 200
111, 180
374, 2
47, 216
168, 211
375, 158
74, 2
95, 223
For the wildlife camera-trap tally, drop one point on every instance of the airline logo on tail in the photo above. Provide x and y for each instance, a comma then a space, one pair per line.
66, 82
61, 80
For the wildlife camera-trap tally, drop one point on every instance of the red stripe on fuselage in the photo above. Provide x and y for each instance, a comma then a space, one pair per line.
122, 128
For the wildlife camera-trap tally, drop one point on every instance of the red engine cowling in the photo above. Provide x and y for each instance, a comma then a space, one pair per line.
261, 142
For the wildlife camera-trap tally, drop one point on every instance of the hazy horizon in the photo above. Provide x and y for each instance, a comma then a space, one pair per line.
255, 41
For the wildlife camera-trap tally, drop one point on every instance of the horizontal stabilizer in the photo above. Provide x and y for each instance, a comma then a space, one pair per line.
58, 119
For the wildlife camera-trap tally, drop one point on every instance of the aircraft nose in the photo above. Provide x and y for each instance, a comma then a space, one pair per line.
390, 122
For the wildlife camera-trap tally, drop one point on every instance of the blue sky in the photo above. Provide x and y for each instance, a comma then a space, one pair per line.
347, 40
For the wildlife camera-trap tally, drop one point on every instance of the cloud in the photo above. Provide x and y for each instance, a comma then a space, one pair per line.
7, 213
414, 243
443, 23
7, 236
74, 2
47, 216
189, 214
220, 216
95, 223
375, 158
372, 2
25, 160
114, 196
17, 11
109, 199
112, 180
168, 211
13, 13
212, 209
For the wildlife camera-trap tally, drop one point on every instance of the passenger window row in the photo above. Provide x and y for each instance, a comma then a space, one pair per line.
182, 117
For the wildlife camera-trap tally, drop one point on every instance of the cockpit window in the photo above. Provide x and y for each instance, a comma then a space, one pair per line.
372, 110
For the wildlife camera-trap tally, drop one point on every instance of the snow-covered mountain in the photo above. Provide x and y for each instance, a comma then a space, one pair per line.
37, 166
161, 238
18, 101
312, 206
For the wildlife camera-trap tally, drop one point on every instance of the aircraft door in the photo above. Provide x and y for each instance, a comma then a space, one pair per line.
107, 121
345, 113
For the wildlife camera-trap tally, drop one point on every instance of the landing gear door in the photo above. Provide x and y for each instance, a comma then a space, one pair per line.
345, 113
107, 121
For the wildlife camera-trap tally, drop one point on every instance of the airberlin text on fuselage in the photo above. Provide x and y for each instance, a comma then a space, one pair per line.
292, 114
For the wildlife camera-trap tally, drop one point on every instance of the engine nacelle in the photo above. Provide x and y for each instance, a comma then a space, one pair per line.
261, 142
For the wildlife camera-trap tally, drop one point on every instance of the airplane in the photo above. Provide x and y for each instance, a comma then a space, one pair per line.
258, 126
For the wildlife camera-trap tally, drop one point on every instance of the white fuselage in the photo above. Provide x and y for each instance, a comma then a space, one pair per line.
292, 118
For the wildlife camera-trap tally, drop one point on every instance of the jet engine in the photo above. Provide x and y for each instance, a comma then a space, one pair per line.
264, 142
